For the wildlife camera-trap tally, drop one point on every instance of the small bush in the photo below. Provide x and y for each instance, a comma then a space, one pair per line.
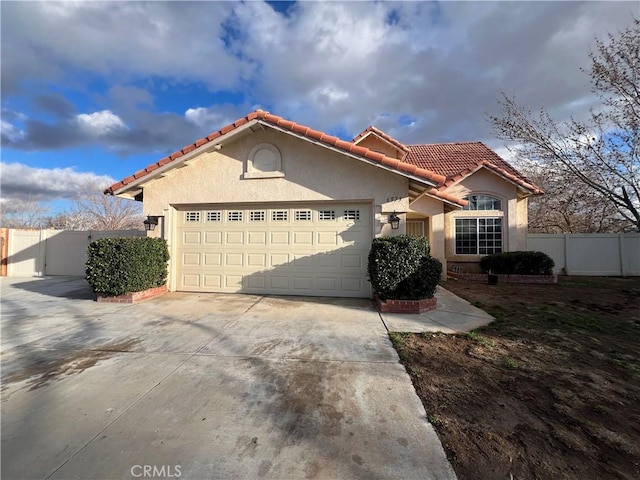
401, 268
518, 263
116, 266
420, 284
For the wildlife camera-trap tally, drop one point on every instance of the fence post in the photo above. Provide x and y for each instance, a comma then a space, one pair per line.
623, 270
566, 253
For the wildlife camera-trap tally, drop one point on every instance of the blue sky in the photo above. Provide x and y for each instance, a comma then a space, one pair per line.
92, 92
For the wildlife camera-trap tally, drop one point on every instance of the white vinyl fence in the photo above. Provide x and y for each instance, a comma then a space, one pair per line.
36, 253
597, 254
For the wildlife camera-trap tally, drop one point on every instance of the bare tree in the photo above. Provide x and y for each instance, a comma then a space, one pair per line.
601, 154
567, 206
92, 210
23, 214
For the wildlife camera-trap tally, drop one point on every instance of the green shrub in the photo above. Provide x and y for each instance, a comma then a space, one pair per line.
518, 263
420, 284
401, 268
116, 266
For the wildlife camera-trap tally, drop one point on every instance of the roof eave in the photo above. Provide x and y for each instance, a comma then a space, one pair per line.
137, 183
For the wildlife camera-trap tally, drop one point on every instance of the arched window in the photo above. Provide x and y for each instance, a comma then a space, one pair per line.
482, 202
264, 161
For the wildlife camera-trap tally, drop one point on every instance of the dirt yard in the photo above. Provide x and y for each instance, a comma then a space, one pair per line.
550, 390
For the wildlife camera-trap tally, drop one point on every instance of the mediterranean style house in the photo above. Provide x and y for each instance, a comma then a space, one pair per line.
267, 206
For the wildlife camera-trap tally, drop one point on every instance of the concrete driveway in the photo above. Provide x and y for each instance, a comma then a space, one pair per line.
204, 386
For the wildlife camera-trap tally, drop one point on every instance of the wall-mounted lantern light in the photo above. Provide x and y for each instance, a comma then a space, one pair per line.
394, 220
151, 222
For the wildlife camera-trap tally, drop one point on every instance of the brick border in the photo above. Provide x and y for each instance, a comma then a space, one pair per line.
483, 278
405, 306
134, 297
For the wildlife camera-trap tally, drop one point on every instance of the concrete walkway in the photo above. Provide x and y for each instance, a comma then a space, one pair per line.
452, 315
207, 386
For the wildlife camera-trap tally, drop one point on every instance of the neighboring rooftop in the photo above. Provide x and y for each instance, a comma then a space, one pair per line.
457, 160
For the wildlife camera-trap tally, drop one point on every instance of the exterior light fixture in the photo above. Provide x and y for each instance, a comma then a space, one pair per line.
394, 220
151, 222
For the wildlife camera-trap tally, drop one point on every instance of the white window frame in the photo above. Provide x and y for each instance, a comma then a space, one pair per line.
495, 238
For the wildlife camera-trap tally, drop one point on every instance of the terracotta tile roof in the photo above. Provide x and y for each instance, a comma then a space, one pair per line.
349, 147
383, 135
457, 160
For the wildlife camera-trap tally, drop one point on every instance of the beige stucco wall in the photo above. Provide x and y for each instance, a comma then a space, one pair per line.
514, 213
434, 209
311, 173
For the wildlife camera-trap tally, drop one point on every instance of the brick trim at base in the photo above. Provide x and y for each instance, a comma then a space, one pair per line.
135, 297
483, 277
405, 306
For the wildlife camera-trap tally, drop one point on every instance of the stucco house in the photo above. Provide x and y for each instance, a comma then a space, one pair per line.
268, 206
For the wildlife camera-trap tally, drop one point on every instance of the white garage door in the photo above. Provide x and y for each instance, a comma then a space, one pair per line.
318, 249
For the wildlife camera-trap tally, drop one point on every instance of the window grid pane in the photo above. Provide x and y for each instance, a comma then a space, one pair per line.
489, 235
478, 236
256, 216
351, 215
326, 215
191, 216
303, 215
234, 216
213, 216
279, 215
483, 202
466, 236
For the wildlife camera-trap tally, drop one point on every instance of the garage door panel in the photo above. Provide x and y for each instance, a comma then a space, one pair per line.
190, 280
327, 260
234, 259
302, 261
256, 259
280, 238
278, 259
257, 238
303, 284
351, 284
351, 261
303, 238
212, 259
233, 282
279, 282
190, 259
234, 238
256, 282
212, 238
327, 238
191, 238
212, 281
316, 250
327, 284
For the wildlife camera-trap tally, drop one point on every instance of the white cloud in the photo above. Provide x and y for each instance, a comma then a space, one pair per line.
331, 65
22, 182
100, 123
209, 118
11, 132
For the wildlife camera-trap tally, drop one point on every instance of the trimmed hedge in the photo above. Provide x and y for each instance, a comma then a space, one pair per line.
518, 263
116, 266
420, 284
401, 268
